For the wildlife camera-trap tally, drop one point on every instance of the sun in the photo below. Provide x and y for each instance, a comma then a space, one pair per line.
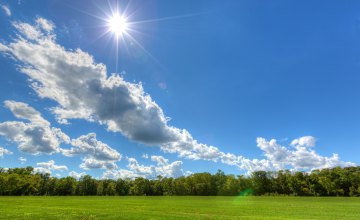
118, 25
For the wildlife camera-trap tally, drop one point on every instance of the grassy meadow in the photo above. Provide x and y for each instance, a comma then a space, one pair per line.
178, 207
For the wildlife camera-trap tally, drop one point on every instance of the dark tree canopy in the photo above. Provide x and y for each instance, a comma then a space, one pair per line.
326, 182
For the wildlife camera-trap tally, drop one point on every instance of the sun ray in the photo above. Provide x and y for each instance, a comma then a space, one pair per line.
144, 49
167, 18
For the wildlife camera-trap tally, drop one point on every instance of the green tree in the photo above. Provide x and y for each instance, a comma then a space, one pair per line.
299, 184
141, 187
87, 186
261, 182
65, 186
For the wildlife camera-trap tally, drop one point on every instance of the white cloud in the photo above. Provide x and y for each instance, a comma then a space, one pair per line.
76, 175
96, 154
3, 48
22, 160
163, 168
301, 157
89, 145
6, 9
83, 89
160, 160
24, 111
274, 152
306, 141
4, 151
119, 174
141, 170
36, 136
145, 156
48, 167
91, 163
44, 24
40, 32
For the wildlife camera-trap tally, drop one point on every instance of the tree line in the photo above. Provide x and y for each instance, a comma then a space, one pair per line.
326, 182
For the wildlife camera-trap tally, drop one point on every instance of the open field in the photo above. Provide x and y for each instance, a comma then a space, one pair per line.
179, 208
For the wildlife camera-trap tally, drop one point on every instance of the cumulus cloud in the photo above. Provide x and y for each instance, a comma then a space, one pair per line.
160, 160
22, 160
96, 154
83, 89
6, 9
34, 136
278, 155
4, 151
91, 163
306, 141
300, 157
162, 168
89, 145
48, 167
37, 136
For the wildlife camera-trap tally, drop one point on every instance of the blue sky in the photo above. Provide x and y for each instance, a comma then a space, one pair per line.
198, 86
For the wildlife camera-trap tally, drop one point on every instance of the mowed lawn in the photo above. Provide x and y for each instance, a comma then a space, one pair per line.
179, 208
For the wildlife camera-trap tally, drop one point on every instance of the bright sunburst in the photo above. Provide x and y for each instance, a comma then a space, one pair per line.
118, 25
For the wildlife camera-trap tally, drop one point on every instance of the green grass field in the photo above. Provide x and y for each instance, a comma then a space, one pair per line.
179, 208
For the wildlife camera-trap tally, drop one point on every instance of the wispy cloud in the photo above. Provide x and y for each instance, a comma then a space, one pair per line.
22, 160
4, 151
6, 10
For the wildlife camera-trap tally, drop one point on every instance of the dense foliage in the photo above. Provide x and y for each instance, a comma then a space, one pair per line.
327, 182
